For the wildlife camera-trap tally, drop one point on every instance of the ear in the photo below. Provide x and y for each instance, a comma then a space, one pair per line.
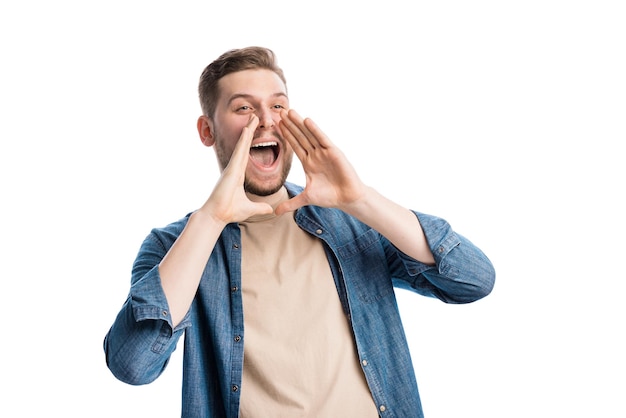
205, 130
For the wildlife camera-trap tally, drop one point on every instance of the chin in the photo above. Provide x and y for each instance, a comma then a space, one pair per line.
265, 189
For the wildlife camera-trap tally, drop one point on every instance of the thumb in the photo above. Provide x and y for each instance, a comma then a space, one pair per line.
290, 205
263, 208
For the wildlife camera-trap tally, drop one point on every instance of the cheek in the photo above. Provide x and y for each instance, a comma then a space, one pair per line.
287, 150
230, 135
225, 142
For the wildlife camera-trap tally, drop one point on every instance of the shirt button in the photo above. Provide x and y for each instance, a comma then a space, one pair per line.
234, 289
237, 338
364, 362
236, 246
440, 249
164, 313
382, 408
318, 231
235, 388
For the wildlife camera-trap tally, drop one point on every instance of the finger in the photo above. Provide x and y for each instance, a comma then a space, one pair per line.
322, 140
290, 205
289, 130
295, 123
301, 153
301, 124
262, 208
241, 152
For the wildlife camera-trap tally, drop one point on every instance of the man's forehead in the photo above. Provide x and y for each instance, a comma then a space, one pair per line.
255, 82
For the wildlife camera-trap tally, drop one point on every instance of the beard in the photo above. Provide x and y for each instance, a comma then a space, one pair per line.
254, 186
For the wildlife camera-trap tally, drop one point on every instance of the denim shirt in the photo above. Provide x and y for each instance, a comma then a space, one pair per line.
365, 266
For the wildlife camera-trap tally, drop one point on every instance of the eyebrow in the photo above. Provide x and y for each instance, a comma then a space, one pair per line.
251, 97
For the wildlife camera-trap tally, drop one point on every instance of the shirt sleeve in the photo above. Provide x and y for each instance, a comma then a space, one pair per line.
141, 340
462, 272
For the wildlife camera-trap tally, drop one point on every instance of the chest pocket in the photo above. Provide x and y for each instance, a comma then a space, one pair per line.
365, 268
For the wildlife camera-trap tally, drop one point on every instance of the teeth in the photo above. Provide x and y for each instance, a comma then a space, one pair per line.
265, 144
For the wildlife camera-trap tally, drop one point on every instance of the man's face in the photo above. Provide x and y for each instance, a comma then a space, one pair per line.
263, 93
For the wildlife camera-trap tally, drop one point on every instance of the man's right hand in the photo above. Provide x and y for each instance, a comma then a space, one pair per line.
228, 201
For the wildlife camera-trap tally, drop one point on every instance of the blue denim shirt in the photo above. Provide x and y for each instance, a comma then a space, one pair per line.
366, 267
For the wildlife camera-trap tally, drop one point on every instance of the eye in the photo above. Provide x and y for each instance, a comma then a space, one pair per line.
244, 108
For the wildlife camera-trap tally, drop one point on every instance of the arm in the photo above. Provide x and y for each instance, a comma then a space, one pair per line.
331, 181
182, 267
396, 223
462, 272
436, 261
167, 273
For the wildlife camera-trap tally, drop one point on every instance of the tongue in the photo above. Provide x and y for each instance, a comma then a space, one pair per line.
263, 156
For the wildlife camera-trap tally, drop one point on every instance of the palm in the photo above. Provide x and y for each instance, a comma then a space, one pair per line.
330, 179
228, 201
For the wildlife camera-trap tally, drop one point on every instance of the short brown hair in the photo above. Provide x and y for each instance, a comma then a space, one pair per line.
248, 58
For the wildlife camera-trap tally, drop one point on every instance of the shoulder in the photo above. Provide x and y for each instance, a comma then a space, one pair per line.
171, 231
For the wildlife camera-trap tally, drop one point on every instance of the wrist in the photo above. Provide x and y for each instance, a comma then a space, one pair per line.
363, 204
205, 217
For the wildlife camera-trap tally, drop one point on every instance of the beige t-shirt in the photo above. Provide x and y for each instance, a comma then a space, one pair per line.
299, 354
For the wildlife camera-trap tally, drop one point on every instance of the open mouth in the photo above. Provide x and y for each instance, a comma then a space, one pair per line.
264, 153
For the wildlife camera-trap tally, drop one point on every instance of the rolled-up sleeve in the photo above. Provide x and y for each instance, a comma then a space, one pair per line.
462, 272
140, 341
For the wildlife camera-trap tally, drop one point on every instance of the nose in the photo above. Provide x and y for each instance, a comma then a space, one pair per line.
266, 119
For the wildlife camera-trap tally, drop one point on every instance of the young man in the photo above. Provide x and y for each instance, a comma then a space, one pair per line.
285, 295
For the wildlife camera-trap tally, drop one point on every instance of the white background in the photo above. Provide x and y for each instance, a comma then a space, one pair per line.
507, 118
